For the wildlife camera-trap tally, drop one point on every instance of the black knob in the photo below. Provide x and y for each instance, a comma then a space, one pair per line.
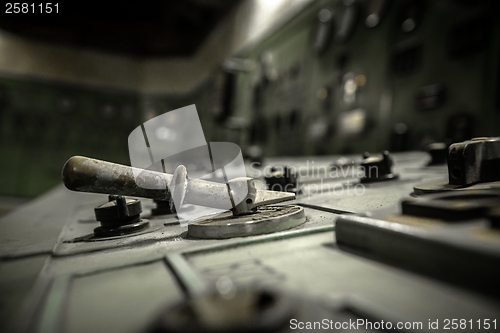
119, 216
283, 179
343, 162
254, 155
474, 161
438, 152
494, 217
454, 206
162, 208
377, 168
112, 197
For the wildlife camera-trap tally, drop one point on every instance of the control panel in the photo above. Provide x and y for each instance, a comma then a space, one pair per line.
396, 239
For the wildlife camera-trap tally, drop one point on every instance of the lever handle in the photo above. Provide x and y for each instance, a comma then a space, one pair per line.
90, 175
85, 174
239, 194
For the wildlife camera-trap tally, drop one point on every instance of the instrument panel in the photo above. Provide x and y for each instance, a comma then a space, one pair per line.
370, 250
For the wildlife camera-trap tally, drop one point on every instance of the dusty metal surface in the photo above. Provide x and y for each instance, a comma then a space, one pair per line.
314, 266
228, 309
127, 283
77, 236
33, 229
423, 71
465, 253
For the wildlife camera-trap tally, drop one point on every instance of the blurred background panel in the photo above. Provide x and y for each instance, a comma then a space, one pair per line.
296, 77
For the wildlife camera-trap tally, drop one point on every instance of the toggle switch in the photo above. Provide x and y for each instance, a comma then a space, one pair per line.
377, 169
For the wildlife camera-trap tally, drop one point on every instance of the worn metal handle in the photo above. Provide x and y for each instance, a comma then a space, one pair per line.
85, 174
90, 175
240, 195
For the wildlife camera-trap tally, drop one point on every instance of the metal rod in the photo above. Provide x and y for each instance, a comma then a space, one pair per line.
90, 175
85, 174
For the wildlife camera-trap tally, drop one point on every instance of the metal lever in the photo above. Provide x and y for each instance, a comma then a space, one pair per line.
90, 175
474, 161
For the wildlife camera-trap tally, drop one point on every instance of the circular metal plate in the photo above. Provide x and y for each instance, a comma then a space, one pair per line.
442, 185
104, 232
266, 220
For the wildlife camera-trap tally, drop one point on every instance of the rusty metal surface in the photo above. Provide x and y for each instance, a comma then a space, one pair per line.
33, 229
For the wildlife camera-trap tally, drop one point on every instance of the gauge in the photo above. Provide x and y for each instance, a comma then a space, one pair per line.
351, 84
411, 15
65, 104
225, 87
323, 30
108, 110
3, 96
375, 12
353, 122
267, 61
344, 25
127, 112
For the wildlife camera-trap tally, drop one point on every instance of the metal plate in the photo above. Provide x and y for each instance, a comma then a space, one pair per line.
266, 220
442, 185
465, 253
